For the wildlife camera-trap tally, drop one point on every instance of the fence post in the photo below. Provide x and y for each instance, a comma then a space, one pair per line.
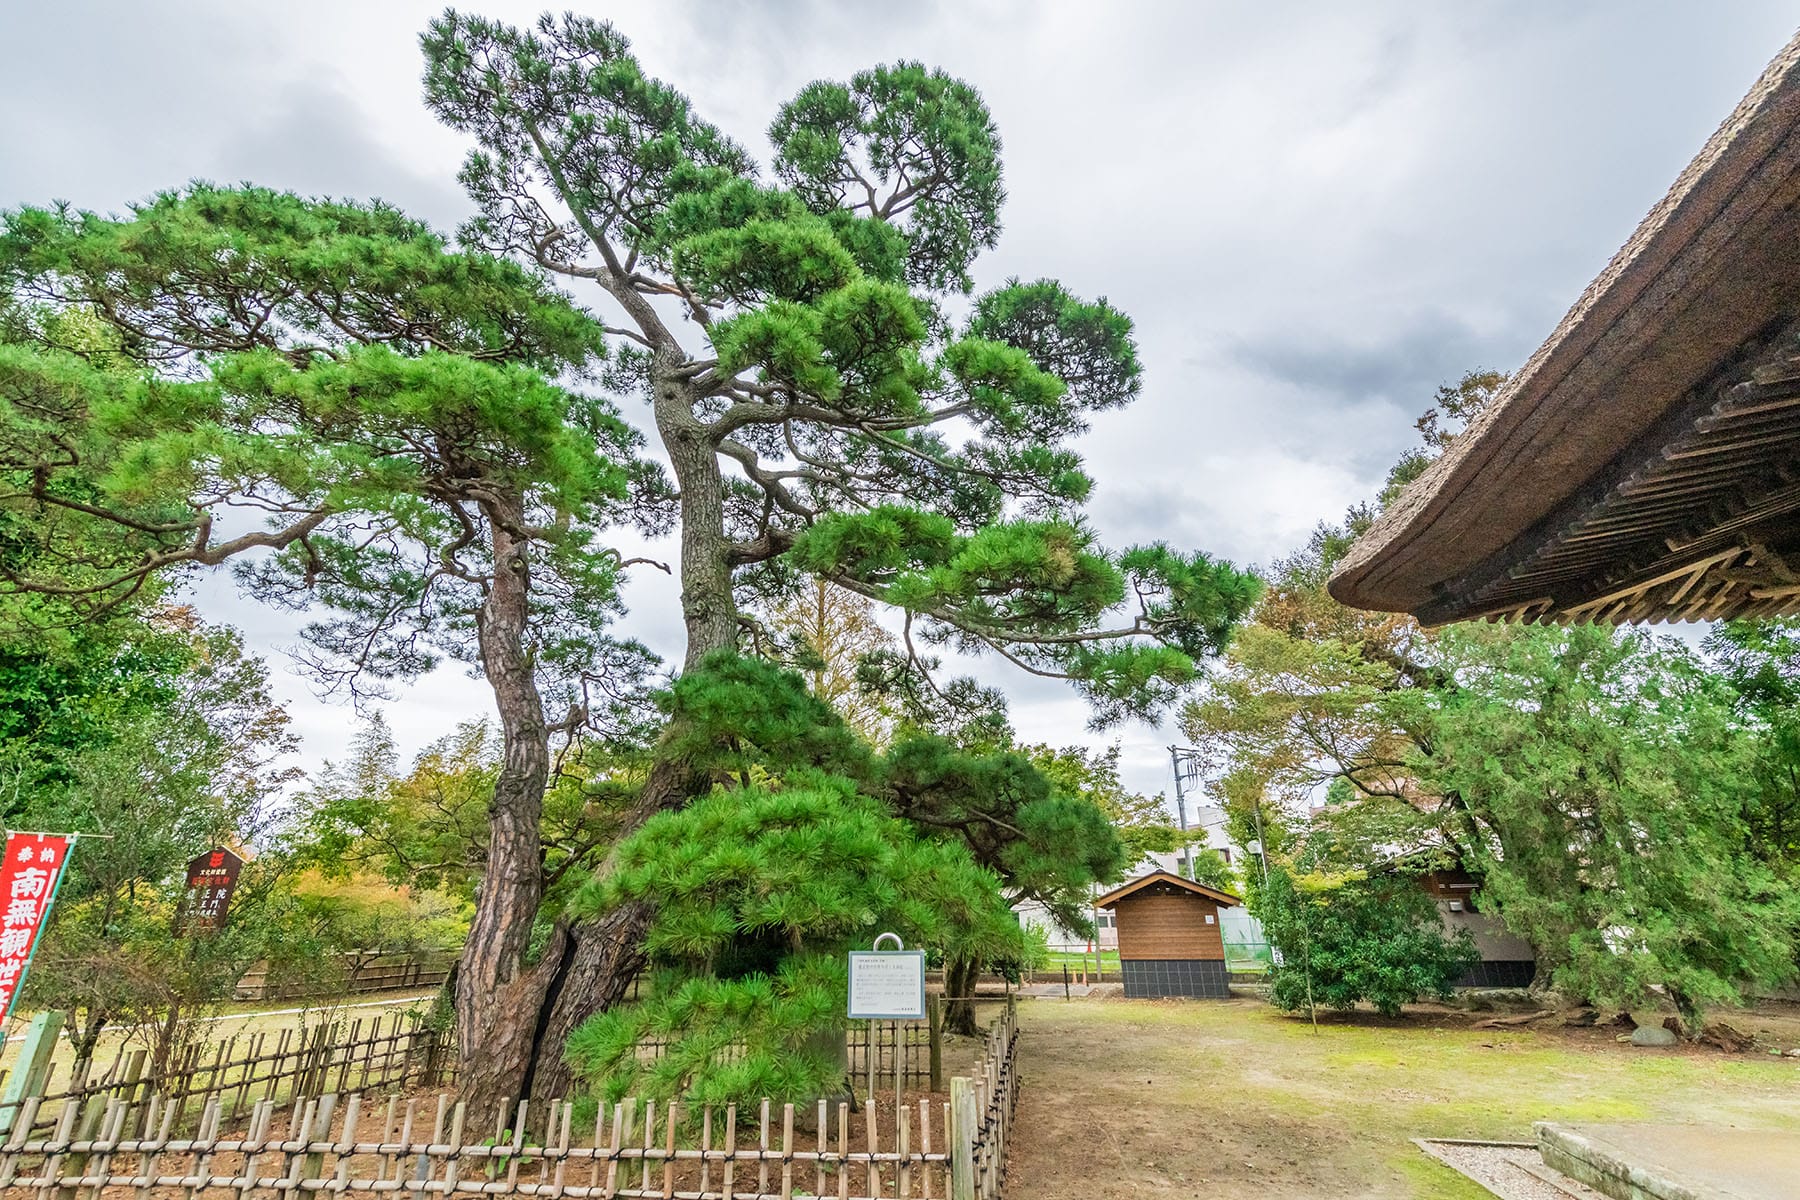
28, 1074
934, 1023
962, 1144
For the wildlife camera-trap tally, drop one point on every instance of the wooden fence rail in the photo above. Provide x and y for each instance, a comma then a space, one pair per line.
394, 1051
415, 1148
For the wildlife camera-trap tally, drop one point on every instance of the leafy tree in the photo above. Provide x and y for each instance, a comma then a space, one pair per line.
1607, 775
429, 827
162, 782
1210, 867
1760, 662
1141, 822
381, 403
1346, 940
828, 633
1452, 410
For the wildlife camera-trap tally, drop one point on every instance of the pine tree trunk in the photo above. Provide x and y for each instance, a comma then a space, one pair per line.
603, 955
960, 975
494, 985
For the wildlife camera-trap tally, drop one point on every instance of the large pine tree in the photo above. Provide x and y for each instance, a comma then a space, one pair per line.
830, 398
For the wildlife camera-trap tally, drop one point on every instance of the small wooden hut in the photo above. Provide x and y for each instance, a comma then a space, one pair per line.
1169, 937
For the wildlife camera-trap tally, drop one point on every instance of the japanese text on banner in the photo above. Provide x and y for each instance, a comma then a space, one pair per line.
28, 877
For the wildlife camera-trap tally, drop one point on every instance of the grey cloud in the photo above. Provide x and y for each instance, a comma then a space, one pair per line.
1316, 213
314, 141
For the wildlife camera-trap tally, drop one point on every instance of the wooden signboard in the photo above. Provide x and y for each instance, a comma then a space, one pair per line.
211, 878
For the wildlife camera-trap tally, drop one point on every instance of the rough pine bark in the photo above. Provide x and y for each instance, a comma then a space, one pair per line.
601, 956
960, 975
494, 982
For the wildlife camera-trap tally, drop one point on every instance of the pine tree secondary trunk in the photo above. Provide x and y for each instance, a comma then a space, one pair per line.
595, 961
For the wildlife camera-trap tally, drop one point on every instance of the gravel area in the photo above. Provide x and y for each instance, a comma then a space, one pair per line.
1511, 1172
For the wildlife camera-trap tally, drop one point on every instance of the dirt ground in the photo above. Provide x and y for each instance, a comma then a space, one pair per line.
1229, 1099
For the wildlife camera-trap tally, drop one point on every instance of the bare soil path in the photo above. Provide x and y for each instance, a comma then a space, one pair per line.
1230, 1099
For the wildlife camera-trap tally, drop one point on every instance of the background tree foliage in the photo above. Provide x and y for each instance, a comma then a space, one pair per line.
1348, 940
1625, 801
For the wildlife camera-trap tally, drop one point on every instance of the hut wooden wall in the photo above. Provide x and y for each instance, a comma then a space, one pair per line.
1166, 926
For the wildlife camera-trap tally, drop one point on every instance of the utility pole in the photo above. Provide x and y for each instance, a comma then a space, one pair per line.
1186, 764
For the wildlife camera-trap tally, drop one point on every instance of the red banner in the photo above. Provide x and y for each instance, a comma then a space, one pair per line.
28, 879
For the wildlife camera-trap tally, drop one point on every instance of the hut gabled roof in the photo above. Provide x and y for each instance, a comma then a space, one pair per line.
1143, 881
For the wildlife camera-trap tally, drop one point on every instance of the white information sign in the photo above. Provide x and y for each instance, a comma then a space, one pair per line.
887, 985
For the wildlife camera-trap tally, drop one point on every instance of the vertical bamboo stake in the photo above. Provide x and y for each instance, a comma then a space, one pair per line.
453, 1163
925, 1148
317, 1130
787, 1151
962, 1139
346, 1145
562, 1151
649, 1141
612, 1153
518, 1143
730, 1150
146, 1154
869, 1126
599, 1147
669, 1150
259, 1126
843, 1149
903, 1132
209, 1129
762, 1150
423, 1170
111, 1130
293, 1160
405, 1140
706, 1150
823, 1143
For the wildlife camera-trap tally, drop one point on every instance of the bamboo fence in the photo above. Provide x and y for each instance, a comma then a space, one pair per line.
393, 1051
425, 1147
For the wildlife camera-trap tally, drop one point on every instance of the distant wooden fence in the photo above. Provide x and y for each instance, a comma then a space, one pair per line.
420, 1148
391, 1051
347, 975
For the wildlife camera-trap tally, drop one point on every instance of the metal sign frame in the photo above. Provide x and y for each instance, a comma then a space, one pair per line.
857, 1014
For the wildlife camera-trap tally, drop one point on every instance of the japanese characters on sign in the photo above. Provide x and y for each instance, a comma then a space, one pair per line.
210, 879
28, 878
887, 985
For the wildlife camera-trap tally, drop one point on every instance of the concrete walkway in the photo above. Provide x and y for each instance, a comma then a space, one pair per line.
1682, 1162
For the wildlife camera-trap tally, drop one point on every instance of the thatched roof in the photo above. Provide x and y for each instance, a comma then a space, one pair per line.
1643, 463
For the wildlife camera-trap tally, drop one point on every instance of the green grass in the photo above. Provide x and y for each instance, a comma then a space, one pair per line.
1109, 960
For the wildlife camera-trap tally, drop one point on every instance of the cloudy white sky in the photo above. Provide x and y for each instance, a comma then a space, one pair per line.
1315, 212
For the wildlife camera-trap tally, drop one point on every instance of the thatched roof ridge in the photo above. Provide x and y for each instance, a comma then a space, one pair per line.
1714, 265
